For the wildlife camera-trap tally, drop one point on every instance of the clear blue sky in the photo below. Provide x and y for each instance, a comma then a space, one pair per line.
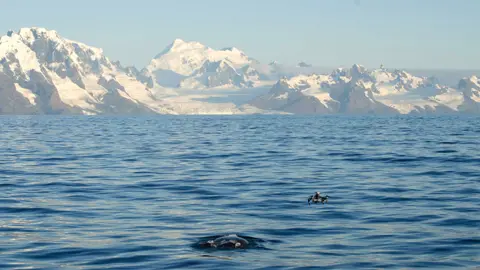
439, 34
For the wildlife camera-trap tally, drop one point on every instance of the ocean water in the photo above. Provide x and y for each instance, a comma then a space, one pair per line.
140, 192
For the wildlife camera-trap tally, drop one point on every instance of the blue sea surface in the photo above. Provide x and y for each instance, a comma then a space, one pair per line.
117, 192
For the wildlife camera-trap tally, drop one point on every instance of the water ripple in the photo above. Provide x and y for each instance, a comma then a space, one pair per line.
135, 192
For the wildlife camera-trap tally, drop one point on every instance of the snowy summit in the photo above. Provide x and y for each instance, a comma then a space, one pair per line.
193, 65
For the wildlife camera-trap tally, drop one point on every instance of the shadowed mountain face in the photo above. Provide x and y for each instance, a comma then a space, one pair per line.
12, 101
282, 97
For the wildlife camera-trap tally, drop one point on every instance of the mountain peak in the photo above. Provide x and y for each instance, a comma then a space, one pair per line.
178, 42
180, 45
35, 29
232, 49
358, 67
357, 71
32, 33
186, 58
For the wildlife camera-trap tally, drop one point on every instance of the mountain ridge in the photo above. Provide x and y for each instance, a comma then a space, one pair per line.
358, 90
42, 72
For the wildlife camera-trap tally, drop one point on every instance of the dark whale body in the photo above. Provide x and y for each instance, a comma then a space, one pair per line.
229, 241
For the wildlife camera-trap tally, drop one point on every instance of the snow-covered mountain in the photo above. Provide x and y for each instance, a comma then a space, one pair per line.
192, 65
42, 72
358, 90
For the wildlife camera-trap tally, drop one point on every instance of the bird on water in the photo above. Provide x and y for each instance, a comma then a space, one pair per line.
316, 198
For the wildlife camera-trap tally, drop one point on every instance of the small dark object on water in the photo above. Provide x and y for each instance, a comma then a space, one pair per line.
316, 198
226, 242
229, 241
